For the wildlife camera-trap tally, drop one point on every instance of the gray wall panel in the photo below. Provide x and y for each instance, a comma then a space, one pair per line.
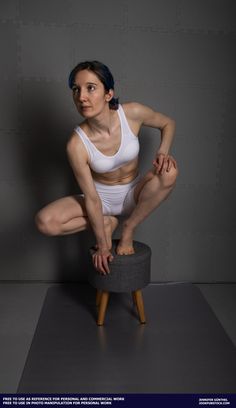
200, 112
185, 58
203, 209
45, 51
9, 10
8, 50
223, 256
9, 103
227, 153
97, 12
207, 15
176, 57
197, 166
53, 11
229, 115
190, 257
147, 14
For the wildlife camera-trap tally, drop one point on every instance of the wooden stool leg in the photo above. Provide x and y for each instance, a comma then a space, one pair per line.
134, 299
98, 297
102, 307
137, 294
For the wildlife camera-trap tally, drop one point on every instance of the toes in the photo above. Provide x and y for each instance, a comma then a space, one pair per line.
125, 251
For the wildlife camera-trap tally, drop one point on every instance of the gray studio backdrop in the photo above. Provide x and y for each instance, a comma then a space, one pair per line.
177, 57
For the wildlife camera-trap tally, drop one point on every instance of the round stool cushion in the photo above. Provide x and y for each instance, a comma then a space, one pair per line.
127, 272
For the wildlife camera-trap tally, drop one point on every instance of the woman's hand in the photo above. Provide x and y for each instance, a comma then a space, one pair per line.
101, 259
163, 162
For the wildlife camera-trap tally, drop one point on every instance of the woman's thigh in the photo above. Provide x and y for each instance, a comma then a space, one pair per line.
64, 209
166, 179
143, 180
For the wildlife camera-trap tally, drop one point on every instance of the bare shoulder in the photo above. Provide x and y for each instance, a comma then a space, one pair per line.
74, 140
137, 112
77, 156
145, 115
75, 146
131, 110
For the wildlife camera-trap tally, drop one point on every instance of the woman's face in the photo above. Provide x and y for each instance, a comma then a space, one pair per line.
89, 93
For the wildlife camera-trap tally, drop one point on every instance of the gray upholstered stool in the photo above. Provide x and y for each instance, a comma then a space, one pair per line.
128, 273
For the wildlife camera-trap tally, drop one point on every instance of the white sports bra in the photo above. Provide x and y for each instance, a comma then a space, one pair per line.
128, 150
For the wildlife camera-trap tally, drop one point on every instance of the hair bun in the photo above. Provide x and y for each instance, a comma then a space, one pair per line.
114, 103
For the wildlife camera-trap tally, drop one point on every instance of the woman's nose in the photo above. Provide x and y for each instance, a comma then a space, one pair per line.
83, 95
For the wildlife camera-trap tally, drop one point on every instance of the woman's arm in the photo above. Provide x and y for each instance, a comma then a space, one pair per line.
148, 117
79, 163
143, 115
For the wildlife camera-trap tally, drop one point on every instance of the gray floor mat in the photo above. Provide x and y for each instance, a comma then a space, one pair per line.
182, 349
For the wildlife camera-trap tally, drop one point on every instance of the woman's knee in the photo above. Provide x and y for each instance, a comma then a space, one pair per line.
168, 178
47, 223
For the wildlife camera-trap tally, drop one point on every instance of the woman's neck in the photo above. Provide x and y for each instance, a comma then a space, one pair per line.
102, 123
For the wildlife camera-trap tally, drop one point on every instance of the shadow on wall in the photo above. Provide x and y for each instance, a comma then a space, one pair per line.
49, 176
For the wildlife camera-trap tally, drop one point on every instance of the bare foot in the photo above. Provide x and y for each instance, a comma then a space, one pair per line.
110, 224
125, 246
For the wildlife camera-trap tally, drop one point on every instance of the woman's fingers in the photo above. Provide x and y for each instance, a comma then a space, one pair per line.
166, 164
173, 161
169, 165
105, 265
94, 260
160, 168
163, 163
101, 264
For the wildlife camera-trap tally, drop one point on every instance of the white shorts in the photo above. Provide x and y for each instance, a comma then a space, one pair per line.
117, 199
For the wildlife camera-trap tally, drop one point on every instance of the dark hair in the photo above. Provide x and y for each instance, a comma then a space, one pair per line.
103, 73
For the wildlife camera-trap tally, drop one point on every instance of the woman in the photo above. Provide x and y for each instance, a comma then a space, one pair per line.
103, 153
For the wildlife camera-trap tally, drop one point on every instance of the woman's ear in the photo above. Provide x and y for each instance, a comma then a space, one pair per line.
109, 95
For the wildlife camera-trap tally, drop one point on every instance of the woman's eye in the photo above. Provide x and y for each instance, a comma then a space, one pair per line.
75, 89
